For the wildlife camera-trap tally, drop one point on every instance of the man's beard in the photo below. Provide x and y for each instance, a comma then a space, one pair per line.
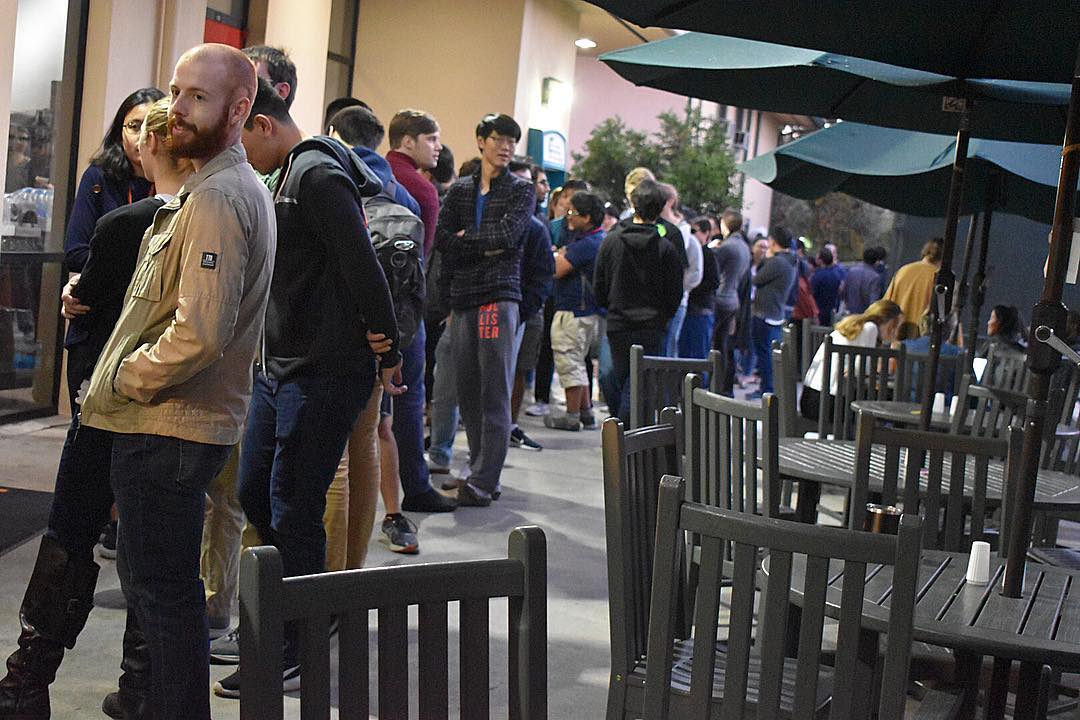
201, 143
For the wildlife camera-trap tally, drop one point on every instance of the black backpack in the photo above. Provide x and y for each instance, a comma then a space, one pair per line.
397, 235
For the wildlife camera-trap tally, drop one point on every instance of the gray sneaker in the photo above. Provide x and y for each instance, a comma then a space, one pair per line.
399, 534
225, 650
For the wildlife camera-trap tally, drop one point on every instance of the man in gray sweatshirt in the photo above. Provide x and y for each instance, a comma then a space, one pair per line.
773, 283
733, 263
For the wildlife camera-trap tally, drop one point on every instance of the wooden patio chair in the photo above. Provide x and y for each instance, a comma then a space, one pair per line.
983, 411
952, 516
755, 679
1005, 370
268, 601
813, 335
634, 462
786, 380
910, 376
862, 374
657, 382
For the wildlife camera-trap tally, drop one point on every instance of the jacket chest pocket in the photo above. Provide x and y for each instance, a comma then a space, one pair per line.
147, 282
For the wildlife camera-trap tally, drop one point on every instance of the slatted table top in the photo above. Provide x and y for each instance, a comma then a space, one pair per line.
832, 462
1042, 626
907, 413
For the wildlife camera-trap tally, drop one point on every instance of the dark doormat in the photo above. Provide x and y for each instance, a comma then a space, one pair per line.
23, 514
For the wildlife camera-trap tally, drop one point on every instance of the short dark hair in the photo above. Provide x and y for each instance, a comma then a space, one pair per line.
781, 235
612, 209
576, 185
358, 126
825, 256
337, 105
498, 123
278, 65
732, 219
410, 123
871, 255
268, 103
589, 205
648, 200
701, 224
469, 167
517, 164
443, 171
538, 170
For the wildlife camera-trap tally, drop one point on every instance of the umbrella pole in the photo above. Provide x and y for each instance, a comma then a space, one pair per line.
963, 287
978, 284
1043, 359
941, 298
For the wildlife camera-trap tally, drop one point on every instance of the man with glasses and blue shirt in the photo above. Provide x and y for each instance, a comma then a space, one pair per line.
481, 235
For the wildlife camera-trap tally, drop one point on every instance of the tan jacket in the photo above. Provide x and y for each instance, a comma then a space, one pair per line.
179, 361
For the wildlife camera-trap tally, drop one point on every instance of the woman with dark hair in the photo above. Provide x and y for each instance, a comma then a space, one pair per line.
115, 177
1005, 330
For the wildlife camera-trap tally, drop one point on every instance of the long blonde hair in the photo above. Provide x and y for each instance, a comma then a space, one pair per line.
878, 313
157, 123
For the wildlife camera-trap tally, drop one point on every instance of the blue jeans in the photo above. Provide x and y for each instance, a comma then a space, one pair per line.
695, 340
762, 335
671, 340
295, 436
444, 409
409, 419
621, 341
160, 488
607, 371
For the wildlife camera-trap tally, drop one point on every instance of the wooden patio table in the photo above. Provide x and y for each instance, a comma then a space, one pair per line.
907, 413
1041, 627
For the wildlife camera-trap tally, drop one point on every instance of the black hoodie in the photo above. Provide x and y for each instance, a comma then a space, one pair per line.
328, 287
638, 278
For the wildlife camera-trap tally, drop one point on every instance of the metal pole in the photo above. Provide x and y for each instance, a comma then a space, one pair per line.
1043, 359
941, 299
979, 286
969, 249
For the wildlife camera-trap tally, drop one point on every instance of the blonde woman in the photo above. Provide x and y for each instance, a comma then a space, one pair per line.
60, 593
878, 325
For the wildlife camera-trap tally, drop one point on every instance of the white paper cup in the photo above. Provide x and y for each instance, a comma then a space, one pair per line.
939, 403
978, 571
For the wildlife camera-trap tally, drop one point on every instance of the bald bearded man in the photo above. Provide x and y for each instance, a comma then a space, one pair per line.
174, 381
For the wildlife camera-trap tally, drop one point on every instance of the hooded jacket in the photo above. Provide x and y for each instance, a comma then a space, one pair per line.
328, 287
638, 278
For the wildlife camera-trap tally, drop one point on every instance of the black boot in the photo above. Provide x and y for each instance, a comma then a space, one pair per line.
58, 600
129, 702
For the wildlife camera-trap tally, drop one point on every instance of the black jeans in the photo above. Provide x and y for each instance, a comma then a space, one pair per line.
621, 341
83, 496
723, 340
160, 487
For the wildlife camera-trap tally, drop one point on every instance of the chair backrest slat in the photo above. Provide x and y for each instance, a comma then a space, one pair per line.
267, 601
657, 382
433, 656
788, 545
1005, 370
812, 337
986, 411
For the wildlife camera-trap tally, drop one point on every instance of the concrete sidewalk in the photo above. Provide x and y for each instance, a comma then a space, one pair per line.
559, 489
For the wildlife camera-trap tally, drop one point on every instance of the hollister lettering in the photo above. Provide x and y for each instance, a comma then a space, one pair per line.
488, 322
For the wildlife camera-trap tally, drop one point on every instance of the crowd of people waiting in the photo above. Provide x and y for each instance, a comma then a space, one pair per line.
265, 324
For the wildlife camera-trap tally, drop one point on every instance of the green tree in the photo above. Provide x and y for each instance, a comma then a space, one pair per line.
689, 151
612, 151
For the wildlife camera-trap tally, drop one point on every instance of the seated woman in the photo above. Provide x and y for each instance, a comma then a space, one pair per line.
877, 325
1005, 330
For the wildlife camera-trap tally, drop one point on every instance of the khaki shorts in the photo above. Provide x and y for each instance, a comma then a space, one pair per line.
571, 339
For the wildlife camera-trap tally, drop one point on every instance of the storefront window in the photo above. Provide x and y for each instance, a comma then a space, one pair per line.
341, 53
36, 185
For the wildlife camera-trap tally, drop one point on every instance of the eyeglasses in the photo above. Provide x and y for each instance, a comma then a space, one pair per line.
499, 140
572, 213
133, 126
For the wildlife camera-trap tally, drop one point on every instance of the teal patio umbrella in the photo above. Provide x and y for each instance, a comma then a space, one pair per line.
909, 172
1034, 40
1038, 40
779, 78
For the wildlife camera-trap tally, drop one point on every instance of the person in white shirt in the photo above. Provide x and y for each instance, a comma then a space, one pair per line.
878, 324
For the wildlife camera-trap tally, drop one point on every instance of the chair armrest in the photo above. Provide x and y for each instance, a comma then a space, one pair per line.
937, 705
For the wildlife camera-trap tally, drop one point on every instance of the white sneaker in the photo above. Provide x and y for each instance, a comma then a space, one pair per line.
538, 409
